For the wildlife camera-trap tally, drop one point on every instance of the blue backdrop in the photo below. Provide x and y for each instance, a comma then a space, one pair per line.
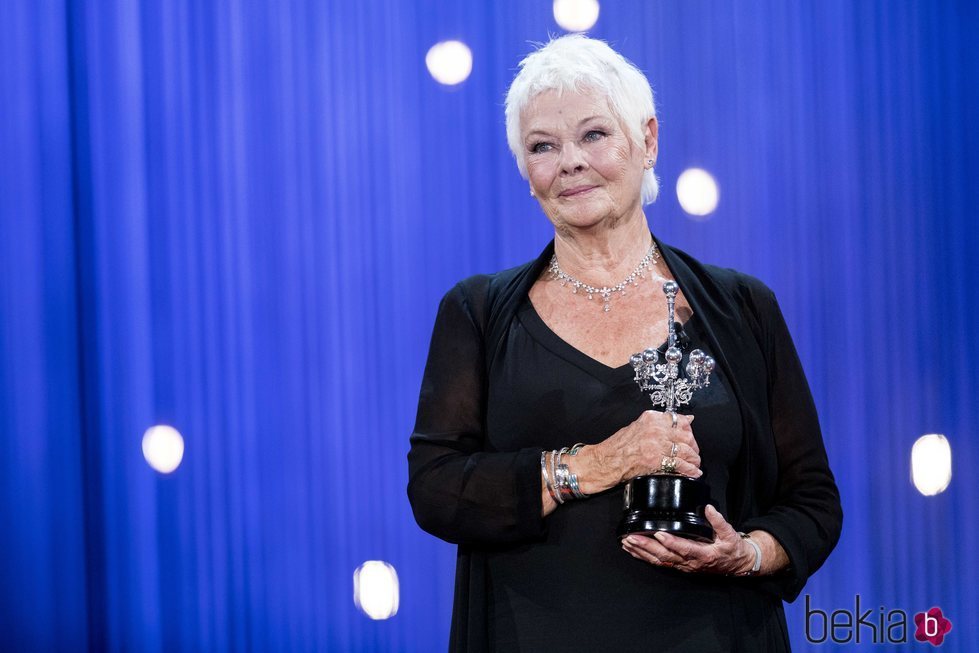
237, 218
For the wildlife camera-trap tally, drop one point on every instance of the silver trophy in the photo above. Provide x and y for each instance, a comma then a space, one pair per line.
667, 501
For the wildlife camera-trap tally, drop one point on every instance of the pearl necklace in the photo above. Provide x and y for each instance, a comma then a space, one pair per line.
647, 261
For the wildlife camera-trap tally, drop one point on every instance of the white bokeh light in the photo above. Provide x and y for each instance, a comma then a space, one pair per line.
376, 590
931, 464
576, 15
163, 448
697, 192
449, 62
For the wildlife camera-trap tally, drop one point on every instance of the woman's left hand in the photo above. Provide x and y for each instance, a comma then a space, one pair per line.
727, 554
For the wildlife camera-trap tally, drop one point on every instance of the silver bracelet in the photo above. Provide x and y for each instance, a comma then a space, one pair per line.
557, 481
565, 481
564, 486
756, 567
547, 479
578, 494
563, 476
575, 490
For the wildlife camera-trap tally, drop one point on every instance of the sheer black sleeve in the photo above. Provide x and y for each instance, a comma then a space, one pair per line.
806, 517
458, 491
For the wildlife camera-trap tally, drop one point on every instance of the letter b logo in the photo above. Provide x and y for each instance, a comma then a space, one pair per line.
932, 626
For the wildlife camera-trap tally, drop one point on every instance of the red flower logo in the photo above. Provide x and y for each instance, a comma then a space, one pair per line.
932, 626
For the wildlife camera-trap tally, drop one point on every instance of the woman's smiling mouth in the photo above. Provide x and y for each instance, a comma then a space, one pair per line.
577, 190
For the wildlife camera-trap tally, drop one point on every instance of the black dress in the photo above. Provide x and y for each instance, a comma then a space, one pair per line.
499, 387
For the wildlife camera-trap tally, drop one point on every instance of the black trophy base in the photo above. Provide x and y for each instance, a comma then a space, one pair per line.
666, 502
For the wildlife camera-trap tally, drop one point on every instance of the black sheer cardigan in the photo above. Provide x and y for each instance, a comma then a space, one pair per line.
477, 499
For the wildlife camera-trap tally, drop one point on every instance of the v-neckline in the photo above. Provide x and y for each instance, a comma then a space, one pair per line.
546, 336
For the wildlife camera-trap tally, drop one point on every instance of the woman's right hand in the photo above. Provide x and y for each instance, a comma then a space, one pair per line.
640, 447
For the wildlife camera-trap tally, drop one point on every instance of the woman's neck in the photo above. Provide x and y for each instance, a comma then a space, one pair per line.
603, 257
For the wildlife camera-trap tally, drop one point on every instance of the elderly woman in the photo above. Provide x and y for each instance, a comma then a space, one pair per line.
534, 359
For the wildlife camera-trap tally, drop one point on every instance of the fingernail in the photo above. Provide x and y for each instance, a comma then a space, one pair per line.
632, 540
659, 536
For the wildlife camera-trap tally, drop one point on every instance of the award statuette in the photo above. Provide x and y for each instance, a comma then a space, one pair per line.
667, 501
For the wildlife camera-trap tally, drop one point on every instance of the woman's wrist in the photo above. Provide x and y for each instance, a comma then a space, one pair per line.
751, 555
773, 557
573, 473
592, 467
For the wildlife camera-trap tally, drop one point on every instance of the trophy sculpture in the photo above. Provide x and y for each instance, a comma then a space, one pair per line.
667, 501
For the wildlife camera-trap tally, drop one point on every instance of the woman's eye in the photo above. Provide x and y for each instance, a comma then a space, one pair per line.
594, 135
539, 148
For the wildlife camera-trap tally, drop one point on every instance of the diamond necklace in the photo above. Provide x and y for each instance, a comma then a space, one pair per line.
605, 291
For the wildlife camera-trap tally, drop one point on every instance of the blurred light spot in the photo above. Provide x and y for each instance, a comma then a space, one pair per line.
449, 62
576, 15
931, 464
697, 192
163, 448
376, 589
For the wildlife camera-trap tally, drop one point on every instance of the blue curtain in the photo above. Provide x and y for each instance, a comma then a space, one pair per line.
238, 218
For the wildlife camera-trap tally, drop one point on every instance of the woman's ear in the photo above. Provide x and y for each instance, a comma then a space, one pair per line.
651, 135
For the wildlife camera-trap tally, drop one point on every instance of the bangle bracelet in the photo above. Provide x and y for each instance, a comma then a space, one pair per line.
561, 477
543, 471
557, 483
564, 482
567, 482
561, 483
575, 490
756, 567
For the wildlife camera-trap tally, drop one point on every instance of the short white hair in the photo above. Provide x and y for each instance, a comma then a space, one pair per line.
576, 63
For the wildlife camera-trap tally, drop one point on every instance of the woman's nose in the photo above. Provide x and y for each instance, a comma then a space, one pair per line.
572, 159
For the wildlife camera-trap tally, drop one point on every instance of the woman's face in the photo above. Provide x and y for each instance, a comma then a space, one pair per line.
583, 168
